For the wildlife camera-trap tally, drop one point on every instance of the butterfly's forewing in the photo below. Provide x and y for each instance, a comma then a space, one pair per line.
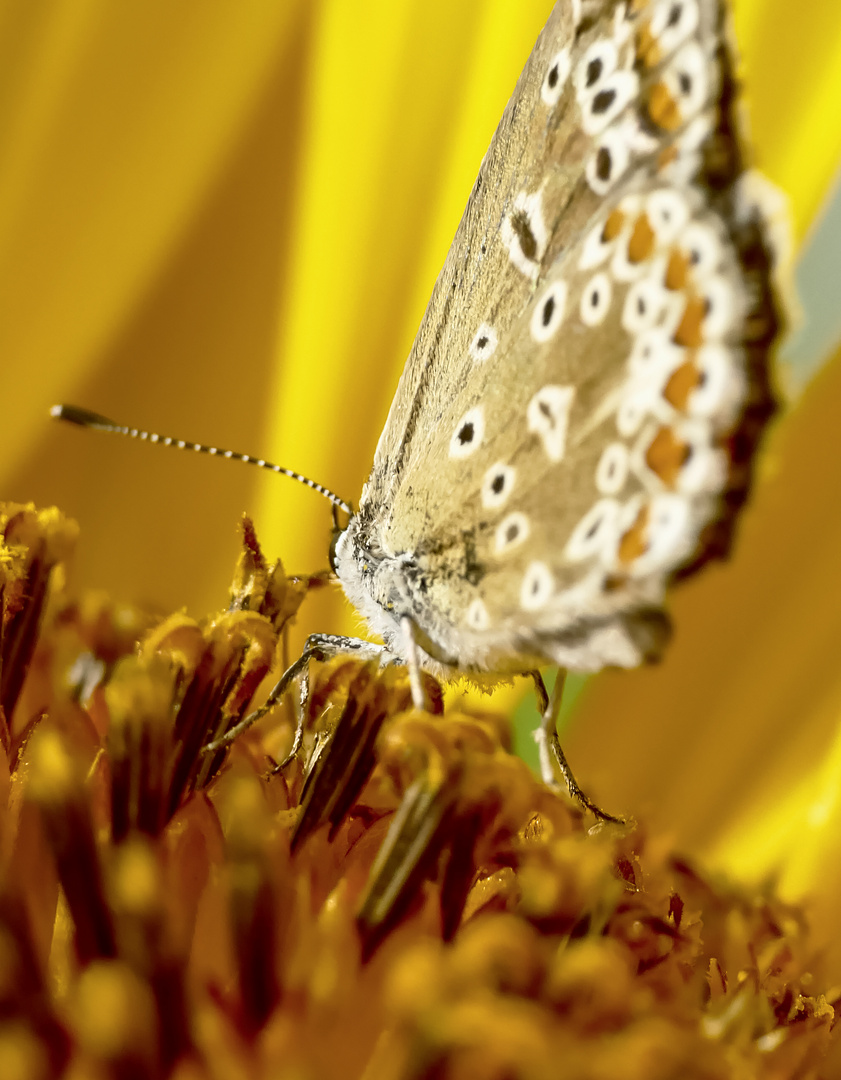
575, 419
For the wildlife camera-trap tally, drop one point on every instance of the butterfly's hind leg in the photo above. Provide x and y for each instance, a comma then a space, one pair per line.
549, 745
317, 647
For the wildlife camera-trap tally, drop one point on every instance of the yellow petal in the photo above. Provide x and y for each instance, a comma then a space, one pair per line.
791, 56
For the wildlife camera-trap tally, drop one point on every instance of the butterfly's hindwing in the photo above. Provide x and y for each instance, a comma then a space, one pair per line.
574, 424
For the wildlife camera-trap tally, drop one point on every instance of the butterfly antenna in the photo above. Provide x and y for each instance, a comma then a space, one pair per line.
74, 415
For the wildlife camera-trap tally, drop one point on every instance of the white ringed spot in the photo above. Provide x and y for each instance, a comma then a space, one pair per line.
548, 417
469, 432
633, 409
549, 312
537, 588
688, 80
612, 469
654, 355
596, 533
703, 248
668, 212
669, 538
610, 159
683, 167
705, 472
513, 530
556, 78
477, 617
497, 485
595, 300
721, 388
596, 248
672, 23
524, 233
644, 303
597, 63
723, 308
602, 107
484, 343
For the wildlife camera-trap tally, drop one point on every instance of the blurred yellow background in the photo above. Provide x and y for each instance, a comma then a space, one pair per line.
223, 221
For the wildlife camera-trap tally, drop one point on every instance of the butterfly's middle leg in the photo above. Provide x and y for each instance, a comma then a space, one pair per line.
317, 647
550, 749
410, 648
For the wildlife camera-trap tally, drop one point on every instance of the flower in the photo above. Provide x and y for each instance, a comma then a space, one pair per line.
172, 182
408, 900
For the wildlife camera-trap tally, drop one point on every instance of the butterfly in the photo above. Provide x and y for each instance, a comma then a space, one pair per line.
575, 424
576, 421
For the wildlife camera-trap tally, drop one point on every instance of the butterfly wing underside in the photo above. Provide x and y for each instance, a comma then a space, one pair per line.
575, 421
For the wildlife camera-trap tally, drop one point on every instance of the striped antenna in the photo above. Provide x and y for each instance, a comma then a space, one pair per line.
74, 415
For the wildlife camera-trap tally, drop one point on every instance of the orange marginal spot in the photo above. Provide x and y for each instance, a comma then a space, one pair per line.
613, 226
649, 53
677, 271
662, 107
641, 243
666, 456
690, 331
682, 382
635, 541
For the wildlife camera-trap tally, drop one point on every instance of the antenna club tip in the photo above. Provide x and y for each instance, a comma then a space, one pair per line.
83, 417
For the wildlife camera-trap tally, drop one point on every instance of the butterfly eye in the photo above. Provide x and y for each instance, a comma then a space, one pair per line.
334, 540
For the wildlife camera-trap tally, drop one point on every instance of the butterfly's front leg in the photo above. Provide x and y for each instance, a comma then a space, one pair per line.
317, 647
549, 745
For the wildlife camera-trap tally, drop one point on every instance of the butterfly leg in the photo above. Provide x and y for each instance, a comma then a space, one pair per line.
419, 698
321, 647
549, 745
316, 647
